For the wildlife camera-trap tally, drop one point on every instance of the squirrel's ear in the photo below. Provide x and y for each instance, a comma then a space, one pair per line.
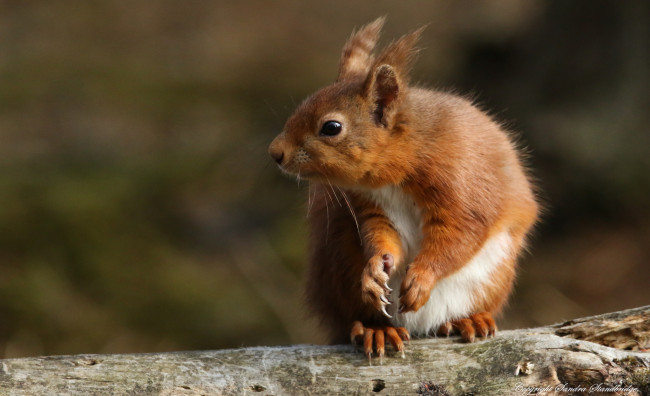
357, 58
389, 74
382, 90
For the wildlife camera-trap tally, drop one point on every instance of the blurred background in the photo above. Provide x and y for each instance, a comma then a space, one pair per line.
139, 210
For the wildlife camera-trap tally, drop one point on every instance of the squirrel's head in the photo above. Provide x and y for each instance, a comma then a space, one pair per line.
341, 133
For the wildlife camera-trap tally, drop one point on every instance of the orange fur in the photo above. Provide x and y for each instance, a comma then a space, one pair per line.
457, 165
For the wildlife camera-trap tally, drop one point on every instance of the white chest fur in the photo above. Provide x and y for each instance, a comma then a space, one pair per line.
453, 297
405, 215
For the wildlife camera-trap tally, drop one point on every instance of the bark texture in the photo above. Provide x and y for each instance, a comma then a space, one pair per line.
599, 355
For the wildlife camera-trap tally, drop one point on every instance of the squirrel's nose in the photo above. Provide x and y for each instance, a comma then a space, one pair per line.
277, 155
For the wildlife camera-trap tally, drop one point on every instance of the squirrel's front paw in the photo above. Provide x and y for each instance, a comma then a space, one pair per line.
374, 281
416, 288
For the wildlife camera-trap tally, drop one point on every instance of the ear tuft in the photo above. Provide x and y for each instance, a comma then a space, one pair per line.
357, 58
401, 53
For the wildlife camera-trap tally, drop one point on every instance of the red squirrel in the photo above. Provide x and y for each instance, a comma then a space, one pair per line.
411, 190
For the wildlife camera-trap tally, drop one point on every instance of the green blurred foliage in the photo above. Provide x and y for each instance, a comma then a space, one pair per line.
140, 211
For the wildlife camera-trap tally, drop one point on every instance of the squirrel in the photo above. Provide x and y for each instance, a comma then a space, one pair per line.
410, 189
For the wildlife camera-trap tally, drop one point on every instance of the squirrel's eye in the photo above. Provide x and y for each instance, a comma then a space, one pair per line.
331, 128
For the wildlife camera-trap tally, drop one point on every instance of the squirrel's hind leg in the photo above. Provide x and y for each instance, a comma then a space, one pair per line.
373, 338
481, 324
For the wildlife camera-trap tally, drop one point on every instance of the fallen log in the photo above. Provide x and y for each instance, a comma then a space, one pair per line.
604, 354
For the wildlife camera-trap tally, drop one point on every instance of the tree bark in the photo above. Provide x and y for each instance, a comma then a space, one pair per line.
599, 355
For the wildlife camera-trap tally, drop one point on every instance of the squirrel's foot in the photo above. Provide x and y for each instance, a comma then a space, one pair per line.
373, 339
374, 281
481, 324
